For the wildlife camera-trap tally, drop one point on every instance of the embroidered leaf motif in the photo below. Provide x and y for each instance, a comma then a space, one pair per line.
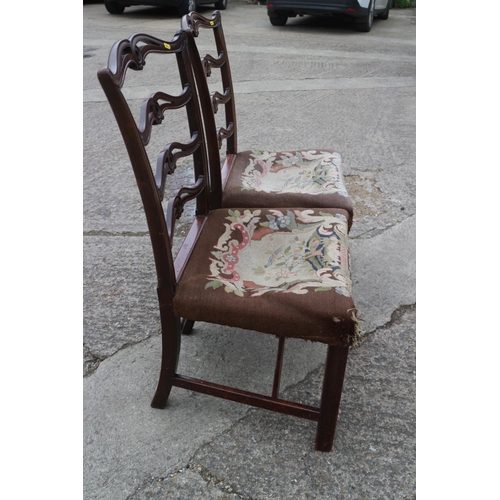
214, 284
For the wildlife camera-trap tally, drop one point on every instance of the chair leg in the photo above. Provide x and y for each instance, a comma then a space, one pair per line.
279, 365
171, 344
186, 326
336, 361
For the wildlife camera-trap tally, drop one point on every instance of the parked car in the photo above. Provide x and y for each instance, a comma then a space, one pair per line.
183, 6
363, 11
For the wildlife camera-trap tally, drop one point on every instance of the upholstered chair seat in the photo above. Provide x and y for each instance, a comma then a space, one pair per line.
282, 179
284, 272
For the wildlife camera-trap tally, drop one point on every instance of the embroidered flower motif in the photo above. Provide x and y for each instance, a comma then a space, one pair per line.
294, 260
280, 223
289, 161
284, 273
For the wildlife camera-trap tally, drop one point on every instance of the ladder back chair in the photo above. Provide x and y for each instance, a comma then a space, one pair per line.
299, 178
280, 271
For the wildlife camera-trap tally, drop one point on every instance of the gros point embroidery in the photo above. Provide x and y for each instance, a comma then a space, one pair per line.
292, 252
294, 172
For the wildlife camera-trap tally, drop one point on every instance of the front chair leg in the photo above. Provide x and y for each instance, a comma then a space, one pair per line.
171, 345
336, 361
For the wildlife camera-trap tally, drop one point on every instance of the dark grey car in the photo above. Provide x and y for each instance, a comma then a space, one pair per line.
363, 11
183, 6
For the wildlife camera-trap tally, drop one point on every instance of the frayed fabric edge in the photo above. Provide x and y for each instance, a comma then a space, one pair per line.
356, 337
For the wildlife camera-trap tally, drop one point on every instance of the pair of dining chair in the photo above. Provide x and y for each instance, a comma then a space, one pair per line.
264, 252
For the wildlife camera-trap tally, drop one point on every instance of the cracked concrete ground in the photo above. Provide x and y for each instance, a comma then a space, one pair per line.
312, 83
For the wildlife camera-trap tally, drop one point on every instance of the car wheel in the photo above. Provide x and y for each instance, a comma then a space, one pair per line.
221, 5
114, 7
279, 19
187, 6
385, 14
364, 24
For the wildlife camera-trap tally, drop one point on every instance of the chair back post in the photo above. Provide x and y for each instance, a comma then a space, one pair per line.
194, 21
194, 115
212, 143
131, 53
227, 82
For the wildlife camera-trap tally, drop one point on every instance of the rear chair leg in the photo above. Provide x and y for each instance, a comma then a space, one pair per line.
186, 326
336, 361
171, 345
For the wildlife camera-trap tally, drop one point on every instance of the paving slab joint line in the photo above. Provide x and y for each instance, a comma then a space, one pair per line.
99, 359
216, 482
398, 313
362, 236
100, 232
209, 479
93, 364
395, 317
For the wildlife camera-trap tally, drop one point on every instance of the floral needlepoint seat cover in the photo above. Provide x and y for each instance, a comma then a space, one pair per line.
279, 271
308, 178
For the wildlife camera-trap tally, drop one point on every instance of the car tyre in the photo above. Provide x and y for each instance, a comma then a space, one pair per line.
114, 7
221, 5
364, 24
279, 19
187, 6
385, 14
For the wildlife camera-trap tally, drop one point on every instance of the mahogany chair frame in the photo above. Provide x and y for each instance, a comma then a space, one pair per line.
131, 54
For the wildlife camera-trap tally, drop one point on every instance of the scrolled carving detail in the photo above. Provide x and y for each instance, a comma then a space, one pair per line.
214, 62
167, 160
194, 21
218, 98
153, 110
224, 133
175, 206
207, 68
132, 52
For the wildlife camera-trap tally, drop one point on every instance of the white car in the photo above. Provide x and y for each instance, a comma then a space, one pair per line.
183, 6
363, 11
